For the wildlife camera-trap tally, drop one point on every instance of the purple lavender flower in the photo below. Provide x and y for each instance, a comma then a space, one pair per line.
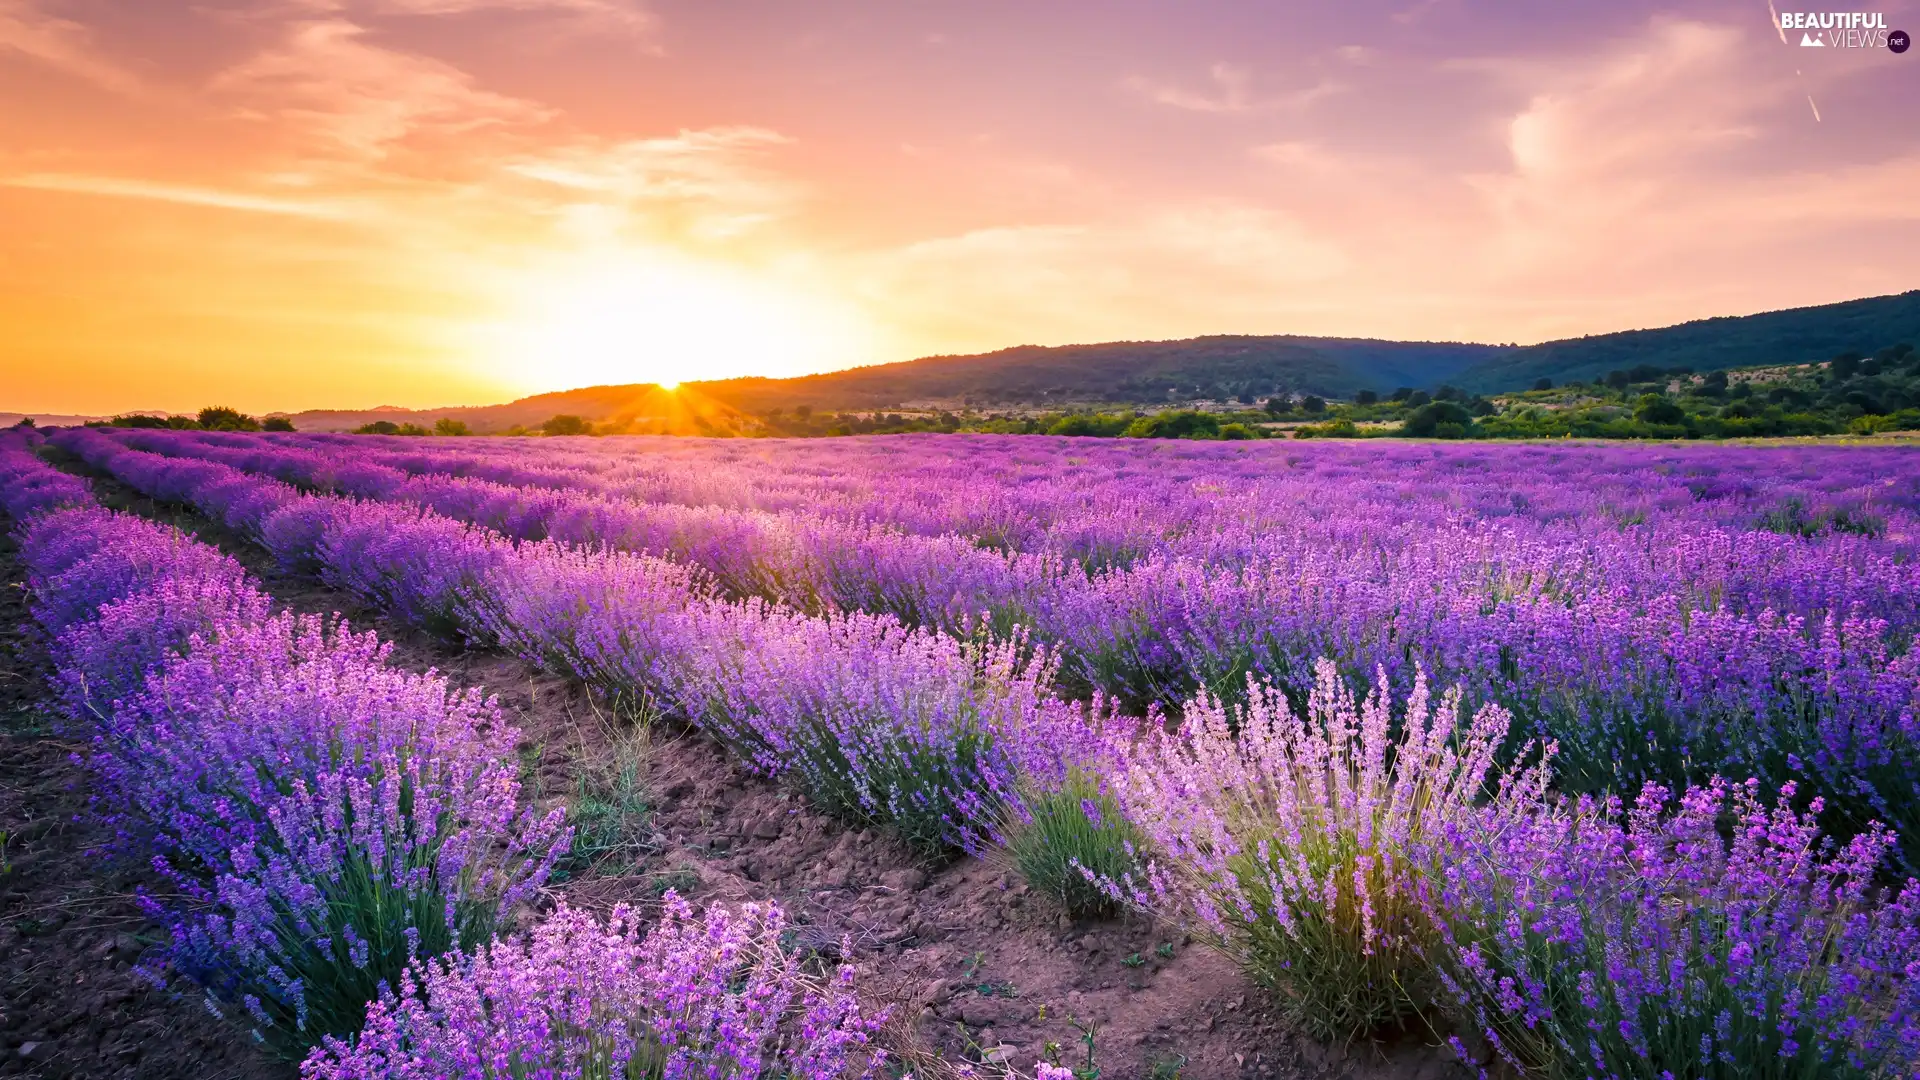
709, 996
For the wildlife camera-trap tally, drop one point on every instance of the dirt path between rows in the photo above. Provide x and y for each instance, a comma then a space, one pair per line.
971, 962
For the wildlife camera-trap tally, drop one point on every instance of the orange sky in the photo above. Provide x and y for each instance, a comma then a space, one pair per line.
286, 204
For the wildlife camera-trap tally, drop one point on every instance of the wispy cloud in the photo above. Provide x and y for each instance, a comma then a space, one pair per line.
623, 16
326, 78
615, 14
1231, 92
60, 43
186, 195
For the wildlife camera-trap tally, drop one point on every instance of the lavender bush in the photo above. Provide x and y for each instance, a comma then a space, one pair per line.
1708, 935
1302, 845
710, 996
327, 819
343, 817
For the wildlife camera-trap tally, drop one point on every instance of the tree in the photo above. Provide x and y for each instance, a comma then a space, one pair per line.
1659, 409
1437, 419
1845, 366
1418, 398
1278, 406
1184, 424
276, 423
1403, 393
1366, 397
139, 420
564, 424
1312, 405
802, 412
1543, 384
1448, 393
221, 418
378, 427
1618, 379
1714, 384
447, 425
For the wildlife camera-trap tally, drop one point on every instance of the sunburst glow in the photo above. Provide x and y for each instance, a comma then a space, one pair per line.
637, 318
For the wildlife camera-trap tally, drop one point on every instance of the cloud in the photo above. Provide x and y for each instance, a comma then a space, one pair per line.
621, 16
1232, 92
704, 164
706, 185
360, 99
128, 188
1209, 266
60, 43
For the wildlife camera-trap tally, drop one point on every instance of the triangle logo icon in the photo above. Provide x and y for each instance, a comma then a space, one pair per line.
1809, 41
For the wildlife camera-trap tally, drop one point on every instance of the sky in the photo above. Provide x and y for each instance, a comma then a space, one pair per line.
288, 204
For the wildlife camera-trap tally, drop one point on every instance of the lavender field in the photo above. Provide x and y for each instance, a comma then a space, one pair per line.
1567, 760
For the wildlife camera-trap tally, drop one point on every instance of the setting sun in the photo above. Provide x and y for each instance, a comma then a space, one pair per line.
634, 317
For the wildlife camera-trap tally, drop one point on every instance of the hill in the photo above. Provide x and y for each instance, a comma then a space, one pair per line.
1220, 368
1127, 372
1794, 336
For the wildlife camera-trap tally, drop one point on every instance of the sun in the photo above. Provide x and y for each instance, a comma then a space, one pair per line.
664, 319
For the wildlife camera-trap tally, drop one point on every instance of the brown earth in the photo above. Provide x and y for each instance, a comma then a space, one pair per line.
973, 965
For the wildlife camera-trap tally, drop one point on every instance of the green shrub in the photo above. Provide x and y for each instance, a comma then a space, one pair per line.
221, 418
565, 424
1425, 422
1054, 834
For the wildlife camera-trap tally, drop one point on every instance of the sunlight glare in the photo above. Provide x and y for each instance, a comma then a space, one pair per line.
645, 317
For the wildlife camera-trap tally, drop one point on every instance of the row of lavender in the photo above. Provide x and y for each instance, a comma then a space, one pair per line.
875, 720
1713, 520
1104, 501
1668, 651
1370, 877
342, 838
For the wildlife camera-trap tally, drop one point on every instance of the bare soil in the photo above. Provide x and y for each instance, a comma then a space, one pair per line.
973, 965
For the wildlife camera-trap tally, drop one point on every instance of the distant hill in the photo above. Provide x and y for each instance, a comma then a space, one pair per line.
1795, 336
1218, 368
1127, 372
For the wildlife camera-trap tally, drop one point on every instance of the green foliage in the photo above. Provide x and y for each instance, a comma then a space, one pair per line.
1179, 424
1797, 336
1101, 424
447, 425
1437, 420
139, 420
276, 423
612, 807
378, 427
1658, 409
1793, 518
565, 424
1079, 825
1333, 429
221, 418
